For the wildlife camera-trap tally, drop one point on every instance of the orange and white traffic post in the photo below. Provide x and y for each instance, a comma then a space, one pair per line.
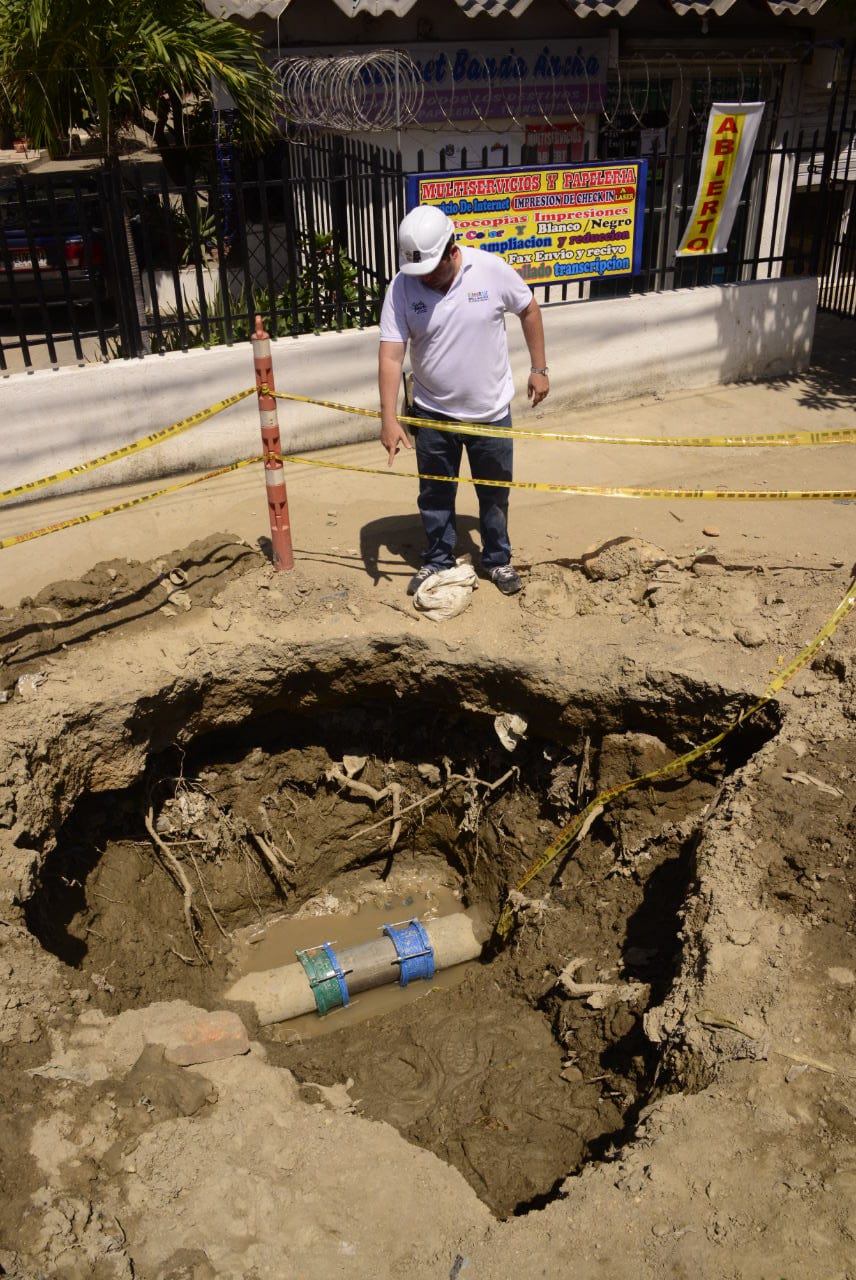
280, 529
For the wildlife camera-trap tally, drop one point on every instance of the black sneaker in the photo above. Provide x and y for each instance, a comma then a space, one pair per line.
505, 577
427, 571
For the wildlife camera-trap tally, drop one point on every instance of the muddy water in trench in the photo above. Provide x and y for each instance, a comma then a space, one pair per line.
277, 944
475, 1075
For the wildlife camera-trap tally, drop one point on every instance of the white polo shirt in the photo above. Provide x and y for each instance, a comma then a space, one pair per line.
458, 347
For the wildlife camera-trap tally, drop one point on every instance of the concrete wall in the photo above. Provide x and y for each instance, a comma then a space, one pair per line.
597, 352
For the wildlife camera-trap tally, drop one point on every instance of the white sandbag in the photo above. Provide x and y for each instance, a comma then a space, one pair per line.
446, 593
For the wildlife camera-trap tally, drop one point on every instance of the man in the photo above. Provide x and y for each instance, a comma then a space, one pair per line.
449, 302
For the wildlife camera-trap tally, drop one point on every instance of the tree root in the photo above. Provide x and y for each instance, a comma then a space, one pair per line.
372, 793
274, 860
175, 869
394, 789
214, 915
580, 836
621, 991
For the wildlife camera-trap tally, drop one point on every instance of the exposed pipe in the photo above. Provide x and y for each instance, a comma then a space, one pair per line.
286, 992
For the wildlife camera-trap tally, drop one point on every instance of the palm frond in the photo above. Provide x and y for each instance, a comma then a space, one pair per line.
90, 63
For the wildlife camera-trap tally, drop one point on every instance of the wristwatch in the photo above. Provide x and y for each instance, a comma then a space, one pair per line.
534, 370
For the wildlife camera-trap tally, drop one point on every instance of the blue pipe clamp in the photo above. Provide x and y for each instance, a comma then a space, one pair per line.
326, 977
413, 949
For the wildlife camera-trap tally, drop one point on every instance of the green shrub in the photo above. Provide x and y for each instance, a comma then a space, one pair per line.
326, 296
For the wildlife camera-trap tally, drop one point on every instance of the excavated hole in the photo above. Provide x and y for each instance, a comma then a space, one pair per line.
506, 1076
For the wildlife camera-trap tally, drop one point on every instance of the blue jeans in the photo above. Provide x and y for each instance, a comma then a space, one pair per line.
439, 453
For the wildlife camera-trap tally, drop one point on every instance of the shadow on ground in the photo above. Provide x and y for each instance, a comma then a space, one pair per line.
401, 538
830, 381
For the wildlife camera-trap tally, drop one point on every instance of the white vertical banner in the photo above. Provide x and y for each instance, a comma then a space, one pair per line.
731, 132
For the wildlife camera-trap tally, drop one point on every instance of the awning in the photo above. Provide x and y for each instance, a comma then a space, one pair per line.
246, 8
618, 8
375, 7
493, 8
496, 8
702, 7
795, 6
603, 8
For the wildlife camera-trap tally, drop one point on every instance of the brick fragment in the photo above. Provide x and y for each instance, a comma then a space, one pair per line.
206, 1037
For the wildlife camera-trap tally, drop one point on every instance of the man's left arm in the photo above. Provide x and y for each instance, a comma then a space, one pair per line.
533, 332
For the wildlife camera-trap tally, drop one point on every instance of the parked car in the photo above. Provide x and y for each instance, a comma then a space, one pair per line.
52, 242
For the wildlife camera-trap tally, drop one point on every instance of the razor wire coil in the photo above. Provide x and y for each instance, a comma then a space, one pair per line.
371, 91
375, 91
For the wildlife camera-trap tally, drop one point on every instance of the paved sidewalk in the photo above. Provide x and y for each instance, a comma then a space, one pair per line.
344, 516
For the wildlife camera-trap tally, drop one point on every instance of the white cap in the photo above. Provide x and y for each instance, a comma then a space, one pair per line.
422, 239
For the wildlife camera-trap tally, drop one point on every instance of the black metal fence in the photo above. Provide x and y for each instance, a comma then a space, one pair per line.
155, 256
303, 235
150, 256
833, 257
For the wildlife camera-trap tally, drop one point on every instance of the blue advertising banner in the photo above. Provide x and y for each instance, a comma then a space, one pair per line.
552, 224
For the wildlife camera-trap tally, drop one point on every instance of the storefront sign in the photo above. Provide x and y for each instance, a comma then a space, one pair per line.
548, 79
731, 132
552, 224
563, 141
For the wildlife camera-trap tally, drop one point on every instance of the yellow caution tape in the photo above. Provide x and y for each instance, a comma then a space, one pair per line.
777, 439
599, 491
136, 446
678, 765
607, 491
566, 836
125, 506
774, 440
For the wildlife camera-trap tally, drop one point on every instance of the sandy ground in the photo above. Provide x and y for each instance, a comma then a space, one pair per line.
334, 513
736, 1159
